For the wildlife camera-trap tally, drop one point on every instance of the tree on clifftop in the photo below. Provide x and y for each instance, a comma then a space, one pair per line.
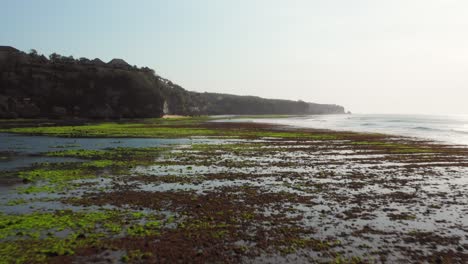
33, 52
54, 57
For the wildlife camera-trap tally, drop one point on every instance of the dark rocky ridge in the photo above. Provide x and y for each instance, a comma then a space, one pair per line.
32, 85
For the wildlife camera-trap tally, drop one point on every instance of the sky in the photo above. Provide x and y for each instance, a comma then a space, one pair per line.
371, 56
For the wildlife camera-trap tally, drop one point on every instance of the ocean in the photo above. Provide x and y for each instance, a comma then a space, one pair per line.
451, 129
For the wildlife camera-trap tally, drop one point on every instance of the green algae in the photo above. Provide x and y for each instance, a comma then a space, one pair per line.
150, 228
102, 163
52, 180
228, 147
119, 153
161, 128
16, 202
291, 245
115, 130
32, 224
38, 189
80, 153
136, 256
38, 236
54, 176
300, 135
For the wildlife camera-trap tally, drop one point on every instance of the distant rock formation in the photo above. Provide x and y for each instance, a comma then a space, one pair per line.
32, 85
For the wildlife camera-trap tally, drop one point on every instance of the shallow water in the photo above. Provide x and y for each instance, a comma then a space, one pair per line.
38, 144
21, 149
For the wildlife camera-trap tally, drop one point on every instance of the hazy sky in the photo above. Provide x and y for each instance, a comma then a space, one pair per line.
371, 56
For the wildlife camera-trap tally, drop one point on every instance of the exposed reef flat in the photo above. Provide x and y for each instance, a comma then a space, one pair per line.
232, 193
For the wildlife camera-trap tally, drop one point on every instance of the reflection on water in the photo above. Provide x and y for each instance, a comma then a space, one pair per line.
17, 151
38, 144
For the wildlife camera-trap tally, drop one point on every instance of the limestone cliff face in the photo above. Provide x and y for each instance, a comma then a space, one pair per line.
194, 103
32, 85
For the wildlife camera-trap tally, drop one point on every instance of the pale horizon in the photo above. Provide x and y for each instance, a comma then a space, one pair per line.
394, 57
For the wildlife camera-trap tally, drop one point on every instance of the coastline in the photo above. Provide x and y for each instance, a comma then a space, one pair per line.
249, 193
451, 129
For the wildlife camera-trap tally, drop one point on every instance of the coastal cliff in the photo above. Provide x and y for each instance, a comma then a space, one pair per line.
32, 85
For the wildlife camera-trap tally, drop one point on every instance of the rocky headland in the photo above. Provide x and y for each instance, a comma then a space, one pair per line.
32, 86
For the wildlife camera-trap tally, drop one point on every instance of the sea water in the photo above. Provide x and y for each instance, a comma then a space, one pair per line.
451, 129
